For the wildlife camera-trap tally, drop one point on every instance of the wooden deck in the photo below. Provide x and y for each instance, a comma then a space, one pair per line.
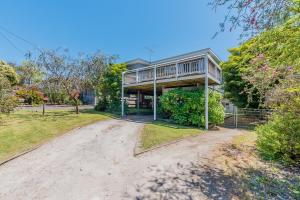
184, 72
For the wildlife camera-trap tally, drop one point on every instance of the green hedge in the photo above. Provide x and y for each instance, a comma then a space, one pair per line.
279, 139
187, 107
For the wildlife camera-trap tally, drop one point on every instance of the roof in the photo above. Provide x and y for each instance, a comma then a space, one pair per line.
181, 56
138, 61
190, 54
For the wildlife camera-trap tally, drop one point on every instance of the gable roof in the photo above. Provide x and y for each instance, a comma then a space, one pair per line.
138, 61
190, 54
178, 57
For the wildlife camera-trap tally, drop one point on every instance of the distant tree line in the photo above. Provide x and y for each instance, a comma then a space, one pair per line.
58, 78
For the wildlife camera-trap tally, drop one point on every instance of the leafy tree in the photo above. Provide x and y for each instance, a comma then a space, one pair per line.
272, 74
234, 85
54, 91
95, 66
29, 73
9, 73
110, 88
65, 70
256, 16
285, 97
266, 69
276, 50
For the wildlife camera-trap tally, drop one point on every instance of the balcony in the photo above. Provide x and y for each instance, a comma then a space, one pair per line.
181, 70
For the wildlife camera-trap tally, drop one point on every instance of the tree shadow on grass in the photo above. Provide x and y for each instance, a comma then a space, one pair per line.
274, 185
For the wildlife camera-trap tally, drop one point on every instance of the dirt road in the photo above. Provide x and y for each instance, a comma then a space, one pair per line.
97, 162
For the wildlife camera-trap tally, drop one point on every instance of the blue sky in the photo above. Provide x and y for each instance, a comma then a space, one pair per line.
118, 27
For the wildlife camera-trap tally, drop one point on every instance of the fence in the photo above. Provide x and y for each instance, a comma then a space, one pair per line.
246, 118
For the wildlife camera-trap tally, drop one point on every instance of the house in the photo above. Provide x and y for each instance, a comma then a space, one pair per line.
194, 69
88, 96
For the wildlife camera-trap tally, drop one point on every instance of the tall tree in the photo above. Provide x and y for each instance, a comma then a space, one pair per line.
29, 73
95, 66
274, 51
255, 16
110, 87
234, 85
65, 71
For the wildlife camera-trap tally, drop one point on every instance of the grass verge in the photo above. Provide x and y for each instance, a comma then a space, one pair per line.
23, 130
158, 133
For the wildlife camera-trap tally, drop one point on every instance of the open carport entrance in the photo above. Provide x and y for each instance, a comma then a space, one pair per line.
140, 101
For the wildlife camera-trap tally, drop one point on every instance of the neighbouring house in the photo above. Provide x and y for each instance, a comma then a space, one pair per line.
194, 69
88, 96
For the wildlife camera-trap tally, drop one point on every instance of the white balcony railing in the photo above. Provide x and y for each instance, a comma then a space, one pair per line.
168, 71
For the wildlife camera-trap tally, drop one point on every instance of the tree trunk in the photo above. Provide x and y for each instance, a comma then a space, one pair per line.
44, 108
77, 109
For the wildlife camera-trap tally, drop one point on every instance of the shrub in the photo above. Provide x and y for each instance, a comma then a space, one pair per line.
9, 73
111, 106
187, 107
115, 106
31, 95
101, 105
279, 139
7, 100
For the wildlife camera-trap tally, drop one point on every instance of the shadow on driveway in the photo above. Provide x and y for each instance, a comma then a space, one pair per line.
191, 181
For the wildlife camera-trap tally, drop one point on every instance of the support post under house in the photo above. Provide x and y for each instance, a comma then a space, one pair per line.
154, 93
122, 98
206, 92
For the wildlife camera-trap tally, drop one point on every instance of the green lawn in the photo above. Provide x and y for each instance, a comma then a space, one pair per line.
158, 133
22, 130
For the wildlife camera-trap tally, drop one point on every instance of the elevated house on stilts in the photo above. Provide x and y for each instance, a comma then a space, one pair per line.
195, 69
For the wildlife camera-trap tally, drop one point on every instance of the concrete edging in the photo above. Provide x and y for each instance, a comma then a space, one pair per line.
20, 154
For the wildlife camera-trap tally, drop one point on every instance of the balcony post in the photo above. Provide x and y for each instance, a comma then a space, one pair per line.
200, 65
122, 99
206, 91
138, 101
137, 76
154, 93
216, 72
177, 70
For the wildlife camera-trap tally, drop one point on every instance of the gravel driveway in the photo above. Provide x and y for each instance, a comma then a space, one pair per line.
97, 162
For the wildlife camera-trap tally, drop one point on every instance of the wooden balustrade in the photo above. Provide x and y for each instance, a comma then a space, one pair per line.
186, 68
145, 75
168, 71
